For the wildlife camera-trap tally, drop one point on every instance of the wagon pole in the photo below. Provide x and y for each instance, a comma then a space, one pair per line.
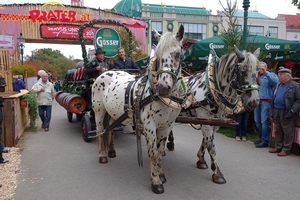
204, 121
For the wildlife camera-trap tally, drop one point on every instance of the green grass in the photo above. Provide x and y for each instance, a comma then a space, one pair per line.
252, 134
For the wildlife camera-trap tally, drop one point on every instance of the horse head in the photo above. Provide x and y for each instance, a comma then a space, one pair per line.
168, 57
243, 77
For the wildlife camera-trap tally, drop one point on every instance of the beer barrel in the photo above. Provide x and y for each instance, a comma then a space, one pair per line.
74, 103
57, 95
61, 98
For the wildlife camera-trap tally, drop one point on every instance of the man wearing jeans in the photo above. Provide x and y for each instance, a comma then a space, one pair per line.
45, 95
267, 81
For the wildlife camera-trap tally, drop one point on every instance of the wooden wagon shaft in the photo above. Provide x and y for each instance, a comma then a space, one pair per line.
202, 121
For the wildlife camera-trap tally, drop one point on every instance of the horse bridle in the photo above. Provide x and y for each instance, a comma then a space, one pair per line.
169, 70
236, 81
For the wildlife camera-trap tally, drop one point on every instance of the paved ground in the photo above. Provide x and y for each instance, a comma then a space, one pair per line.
59, 165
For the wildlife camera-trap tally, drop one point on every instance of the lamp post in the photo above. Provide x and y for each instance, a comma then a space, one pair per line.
21, 40
246, 5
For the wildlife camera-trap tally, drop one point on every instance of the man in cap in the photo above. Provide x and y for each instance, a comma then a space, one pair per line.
285, 112
98, 65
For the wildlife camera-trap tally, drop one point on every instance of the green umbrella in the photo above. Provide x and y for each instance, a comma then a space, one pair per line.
275, 49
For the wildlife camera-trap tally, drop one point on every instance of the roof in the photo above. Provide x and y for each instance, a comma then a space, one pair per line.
177, 9
251, 14
292, 21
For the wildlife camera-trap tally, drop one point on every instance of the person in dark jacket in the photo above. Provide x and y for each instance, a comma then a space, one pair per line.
98, 65
124, 63
285, 111
19, 84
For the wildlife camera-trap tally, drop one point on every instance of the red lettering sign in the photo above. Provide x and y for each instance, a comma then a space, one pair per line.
64, 31
57, 15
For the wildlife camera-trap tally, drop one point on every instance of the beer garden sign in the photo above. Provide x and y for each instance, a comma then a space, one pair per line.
109, 40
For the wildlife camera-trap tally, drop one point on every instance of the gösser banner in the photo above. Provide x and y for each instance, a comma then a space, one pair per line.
109, 40
64, 31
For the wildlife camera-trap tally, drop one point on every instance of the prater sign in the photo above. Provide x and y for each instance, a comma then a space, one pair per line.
109, 40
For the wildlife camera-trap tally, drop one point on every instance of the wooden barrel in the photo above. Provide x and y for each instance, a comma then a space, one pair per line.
61, 98
75, 103
57, 95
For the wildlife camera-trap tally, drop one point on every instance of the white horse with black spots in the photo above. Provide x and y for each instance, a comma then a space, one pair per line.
114, 93
228, 86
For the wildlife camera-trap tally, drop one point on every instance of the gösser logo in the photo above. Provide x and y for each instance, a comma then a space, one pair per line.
216, 46
57, 15
270, 46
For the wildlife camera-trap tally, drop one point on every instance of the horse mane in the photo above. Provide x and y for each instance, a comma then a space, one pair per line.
227, 61
166, 42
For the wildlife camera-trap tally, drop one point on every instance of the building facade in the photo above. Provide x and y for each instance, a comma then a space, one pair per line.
200, 24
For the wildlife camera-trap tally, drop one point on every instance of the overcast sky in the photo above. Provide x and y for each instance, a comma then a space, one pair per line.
270, 8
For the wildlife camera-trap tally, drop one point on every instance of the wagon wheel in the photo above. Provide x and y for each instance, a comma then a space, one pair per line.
70, 116
79, 117
86, 127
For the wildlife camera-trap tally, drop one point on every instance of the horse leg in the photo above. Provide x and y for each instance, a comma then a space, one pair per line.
155, 159
103, 139
201, 163
170, 144
111, 148
217, 176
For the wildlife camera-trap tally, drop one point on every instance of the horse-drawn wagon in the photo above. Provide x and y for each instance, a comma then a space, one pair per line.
156, 100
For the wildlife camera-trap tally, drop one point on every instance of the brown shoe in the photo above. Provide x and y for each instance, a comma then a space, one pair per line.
46, 129
42, 126
283, 153
274, 150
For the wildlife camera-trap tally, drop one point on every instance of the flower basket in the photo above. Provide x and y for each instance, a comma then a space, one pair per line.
23, 104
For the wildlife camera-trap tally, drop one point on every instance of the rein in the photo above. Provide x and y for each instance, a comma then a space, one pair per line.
219, 98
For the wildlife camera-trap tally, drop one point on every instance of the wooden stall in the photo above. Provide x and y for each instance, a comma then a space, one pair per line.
15, 118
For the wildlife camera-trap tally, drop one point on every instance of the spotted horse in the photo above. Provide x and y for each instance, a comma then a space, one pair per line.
143, 102
227, 86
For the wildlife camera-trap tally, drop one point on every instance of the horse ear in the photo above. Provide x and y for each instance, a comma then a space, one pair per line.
156, 35
256, 52
180, 33
239, 54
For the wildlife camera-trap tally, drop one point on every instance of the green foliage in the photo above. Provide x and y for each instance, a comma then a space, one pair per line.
32, 109
233, 34
20, 69
53, 61
296, 3
136, 52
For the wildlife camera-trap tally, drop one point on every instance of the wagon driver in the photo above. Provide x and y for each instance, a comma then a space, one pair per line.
98, 65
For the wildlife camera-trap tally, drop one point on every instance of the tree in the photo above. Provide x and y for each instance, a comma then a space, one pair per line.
233, 34
136, 52
296, 3
53, 61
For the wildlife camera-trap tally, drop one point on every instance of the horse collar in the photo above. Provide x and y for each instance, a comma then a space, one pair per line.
218, 97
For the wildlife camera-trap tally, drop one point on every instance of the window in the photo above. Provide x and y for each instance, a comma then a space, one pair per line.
256, 30
195, 31
273, 32
156, 26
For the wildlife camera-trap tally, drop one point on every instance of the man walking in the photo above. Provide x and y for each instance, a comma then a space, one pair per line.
45, 95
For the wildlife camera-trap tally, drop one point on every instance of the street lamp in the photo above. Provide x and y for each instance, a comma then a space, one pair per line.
246, 5
21, 40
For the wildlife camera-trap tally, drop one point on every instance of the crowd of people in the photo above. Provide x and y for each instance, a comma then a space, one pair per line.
279, 104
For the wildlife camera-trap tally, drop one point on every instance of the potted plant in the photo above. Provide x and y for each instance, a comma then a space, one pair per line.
31, 101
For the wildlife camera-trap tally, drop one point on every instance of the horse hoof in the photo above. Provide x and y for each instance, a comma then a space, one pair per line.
162, 178
170, 146
218, 180
163, 153
103, 160
157, 189
201, 165
112, 154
